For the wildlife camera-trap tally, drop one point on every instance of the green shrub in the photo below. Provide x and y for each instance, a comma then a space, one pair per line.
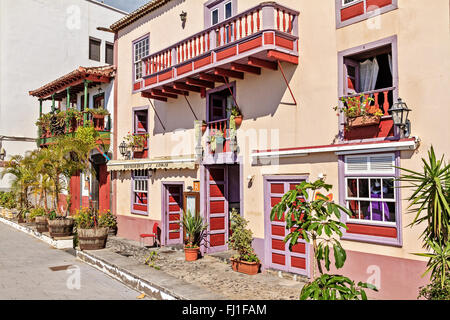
86, 218
435, 291
241, 238
37, 212
107, 220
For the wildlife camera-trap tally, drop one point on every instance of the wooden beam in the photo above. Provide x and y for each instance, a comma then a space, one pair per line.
245, 68
229, 73
252, 61
212, 77
150, 96
200, 83
280, 56
186, 87
167, 89
157, 92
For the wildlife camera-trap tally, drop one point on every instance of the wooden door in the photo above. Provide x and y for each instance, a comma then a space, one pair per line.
104, 188
279, 255
173, 214
217, 204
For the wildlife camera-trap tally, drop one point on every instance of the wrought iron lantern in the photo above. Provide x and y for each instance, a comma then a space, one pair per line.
400, 112
2, 154
123, 148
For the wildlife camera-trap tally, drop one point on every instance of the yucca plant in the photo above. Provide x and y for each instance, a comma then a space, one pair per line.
430, 200
195, 229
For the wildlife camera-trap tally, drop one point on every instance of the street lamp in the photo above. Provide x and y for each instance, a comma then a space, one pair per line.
123, 148
400, 112
2, 154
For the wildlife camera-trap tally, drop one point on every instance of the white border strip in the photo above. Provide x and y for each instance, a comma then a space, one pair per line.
342, 150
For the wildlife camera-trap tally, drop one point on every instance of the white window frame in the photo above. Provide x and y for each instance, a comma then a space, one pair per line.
369, 171
352, 3
137, 56
370, 200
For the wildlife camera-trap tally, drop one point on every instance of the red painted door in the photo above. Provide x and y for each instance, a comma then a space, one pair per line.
104, 188
75, 191
279, 255
173, 214
217, 192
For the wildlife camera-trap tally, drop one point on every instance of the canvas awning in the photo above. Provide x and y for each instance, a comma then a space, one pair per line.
185, 162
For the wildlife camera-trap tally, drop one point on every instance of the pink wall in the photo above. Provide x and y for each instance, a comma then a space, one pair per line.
132, 227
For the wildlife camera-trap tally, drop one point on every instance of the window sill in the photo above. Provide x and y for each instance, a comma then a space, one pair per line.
139, 213
373, 240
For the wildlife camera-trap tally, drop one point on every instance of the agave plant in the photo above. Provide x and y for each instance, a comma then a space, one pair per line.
194, 228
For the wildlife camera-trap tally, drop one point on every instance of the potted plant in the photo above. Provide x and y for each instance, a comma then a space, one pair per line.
246, 260
59, 226
108, 220
236, 115
91, 234
73, 117
194, 229
44, 123
137, 141
40, 217
358, 112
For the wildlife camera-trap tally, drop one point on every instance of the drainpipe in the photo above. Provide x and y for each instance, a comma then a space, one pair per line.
68, 98
85, 101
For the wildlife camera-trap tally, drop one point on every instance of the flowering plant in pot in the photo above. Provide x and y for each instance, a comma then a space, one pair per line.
236, 115
107, 219
359, 112
92, 235
137, 141
246, 260
195, 231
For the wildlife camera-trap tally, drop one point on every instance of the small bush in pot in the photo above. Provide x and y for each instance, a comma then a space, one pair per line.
40, 218
108, 220
91, 235
246, 260
59, 226
195, 231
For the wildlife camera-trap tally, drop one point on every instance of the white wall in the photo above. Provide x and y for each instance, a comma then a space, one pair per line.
40, 41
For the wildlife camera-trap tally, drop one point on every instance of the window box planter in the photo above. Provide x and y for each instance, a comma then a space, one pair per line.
250, 268
363, 121
92, 239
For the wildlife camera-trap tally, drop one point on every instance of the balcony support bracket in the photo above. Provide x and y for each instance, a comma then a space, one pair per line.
287, 83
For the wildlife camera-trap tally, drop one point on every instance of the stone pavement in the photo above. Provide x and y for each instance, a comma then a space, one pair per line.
25, 273
208, 274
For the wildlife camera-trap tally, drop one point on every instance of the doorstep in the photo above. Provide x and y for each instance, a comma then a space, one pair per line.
154, 283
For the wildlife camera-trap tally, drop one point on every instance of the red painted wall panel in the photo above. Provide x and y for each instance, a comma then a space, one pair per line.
137, 86
278, 230
268, 38
184, 69
285, 43
174, 235
217, 239
278, 259
174, 226
217, 223
277, 188
297, 262
165, 76
221, 55
274, 201
174, 208
389, 232
299, 248
251, 44
352, 11
216, 190
278, 244
202, 62
150, 81
104, 188
374, 4
174, 217
75, 190
384, 129
217, 207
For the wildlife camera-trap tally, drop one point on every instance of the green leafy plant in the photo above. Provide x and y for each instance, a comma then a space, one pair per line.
152, 259
435, 290
439, 261
194, 228
235, 111
98, 111
241, 238
358, 106
136, 141
8, 200
73, 114
37, 212
107, 219
311, 216
86, 218
332, 287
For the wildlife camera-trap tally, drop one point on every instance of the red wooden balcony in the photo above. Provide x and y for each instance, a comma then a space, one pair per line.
257, 38
382, 99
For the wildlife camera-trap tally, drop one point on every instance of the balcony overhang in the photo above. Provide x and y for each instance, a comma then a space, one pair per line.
75, 82
257, 38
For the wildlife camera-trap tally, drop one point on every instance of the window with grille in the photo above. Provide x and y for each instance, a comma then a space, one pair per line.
141, 49
109, 53
140, 191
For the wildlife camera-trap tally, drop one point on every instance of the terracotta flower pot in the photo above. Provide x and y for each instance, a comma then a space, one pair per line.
250, 268
191, 254
204, 126
238, 120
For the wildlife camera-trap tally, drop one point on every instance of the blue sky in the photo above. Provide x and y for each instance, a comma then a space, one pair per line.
125, 5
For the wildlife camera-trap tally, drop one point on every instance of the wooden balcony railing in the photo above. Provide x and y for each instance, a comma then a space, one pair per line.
382, 99
267, 16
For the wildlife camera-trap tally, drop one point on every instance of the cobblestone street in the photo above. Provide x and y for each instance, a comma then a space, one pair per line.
212, 273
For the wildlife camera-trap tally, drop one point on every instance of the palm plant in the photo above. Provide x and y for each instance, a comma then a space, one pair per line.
194, 228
